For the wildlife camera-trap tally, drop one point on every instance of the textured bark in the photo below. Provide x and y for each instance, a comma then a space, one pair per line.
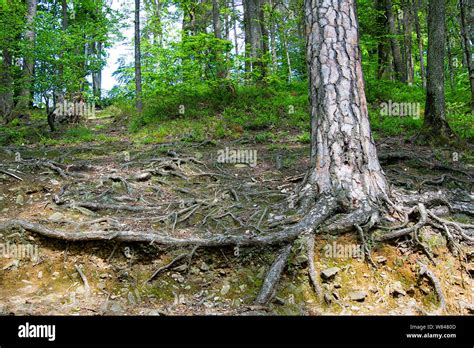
343, 154
273, 276
6, 85
28, 60
467, 26
395, 45
138, 69
435, 125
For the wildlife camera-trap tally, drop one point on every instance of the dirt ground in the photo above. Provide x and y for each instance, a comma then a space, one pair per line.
180, 190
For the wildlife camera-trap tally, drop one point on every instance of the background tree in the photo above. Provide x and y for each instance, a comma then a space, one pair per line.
138, 70
435, 125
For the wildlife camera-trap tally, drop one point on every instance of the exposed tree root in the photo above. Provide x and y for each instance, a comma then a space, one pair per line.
313, 276
322, 210
168, 266
272, 278
84, 280
424, 271
320, 217
404, 231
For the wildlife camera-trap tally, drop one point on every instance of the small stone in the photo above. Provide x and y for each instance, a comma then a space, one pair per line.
470, 308
355, 308
178, 277
358, 295
181, 268
40, 274
327, 298
279, 301
225, 289
56, 217
425, 289
103, 275
131, 299
20, 200
204, 267
301, 260
55, 274
396, 289
381, 259
116, 308
329, 272
101, 285
143, 176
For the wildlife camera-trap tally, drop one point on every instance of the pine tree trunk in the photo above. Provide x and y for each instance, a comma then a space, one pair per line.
343, 154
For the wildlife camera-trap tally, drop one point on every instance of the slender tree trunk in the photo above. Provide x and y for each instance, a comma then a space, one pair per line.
254, 38
467, 26
217, 25
419, 37
407, 41
272, 33
435, 126
28, 60
396, 53
343, 154
97, 76
138, 69
157, 29
6, 86
449, 52
236, 39
382, 59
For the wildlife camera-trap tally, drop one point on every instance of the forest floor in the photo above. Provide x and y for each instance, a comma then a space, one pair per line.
180, 189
